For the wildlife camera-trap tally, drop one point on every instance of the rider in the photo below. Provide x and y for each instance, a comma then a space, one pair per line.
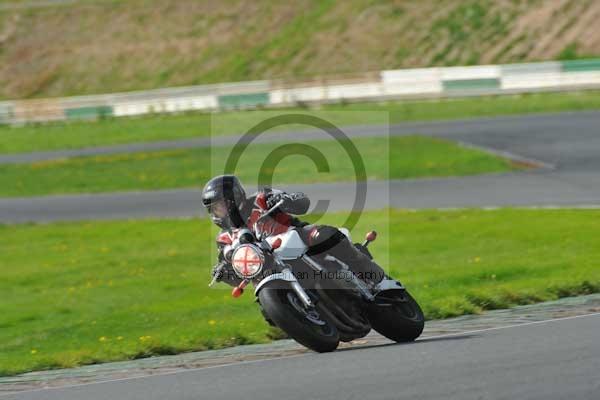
229, 208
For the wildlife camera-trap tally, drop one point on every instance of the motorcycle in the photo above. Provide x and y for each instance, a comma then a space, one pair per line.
295, 291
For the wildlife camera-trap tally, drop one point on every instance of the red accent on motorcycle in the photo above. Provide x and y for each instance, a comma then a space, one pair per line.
371, 236
239, 289
276, 244
312, 236
261, 200
224, 238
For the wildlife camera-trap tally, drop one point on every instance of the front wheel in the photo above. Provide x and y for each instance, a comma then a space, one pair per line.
308, 327
401, 320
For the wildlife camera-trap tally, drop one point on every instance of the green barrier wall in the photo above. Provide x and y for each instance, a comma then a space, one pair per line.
581, 65
89, 112
471, 84
243, 100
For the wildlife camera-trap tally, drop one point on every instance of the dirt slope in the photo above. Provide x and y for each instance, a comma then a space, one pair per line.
95, 46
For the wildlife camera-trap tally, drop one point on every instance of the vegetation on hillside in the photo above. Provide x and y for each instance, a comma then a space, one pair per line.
98, 46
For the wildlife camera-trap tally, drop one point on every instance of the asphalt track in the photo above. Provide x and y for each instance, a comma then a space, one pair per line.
565, 146
555, 359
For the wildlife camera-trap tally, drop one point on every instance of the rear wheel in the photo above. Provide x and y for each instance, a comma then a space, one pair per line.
400, 320
308, 327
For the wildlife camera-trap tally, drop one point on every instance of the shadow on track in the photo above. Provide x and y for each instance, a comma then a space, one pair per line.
418, 341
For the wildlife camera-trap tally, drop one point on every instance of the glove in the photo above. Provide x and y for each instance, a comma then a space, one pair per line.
217, 273
223, 272
276, 198
288, 198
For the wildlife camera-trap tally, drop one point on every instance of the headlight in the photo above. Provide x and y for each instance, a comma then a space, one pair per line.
247, 261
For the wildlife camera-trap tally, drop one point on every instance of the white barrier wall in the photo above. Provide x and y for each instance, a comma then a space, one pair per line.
412, 81
388, 84
295, 95
531, 81
579, 78
354, 91
470, 73
166, 105
531, 75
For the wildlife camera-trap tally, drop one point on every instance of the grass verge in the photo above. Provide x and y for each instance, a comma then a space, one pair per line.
74, 135
398, 157
77, 293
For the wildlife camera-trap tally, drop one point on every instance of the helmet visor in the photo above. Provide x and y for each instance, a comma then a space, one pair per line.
218, 208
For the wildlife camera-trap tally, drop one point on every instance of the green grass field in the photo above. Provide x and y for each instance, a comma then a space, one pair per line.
77, 293
73, 135
398, 157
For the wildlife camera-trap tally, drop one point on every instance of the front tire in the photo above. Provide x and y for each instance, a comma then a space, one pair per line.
400, 322
308, 327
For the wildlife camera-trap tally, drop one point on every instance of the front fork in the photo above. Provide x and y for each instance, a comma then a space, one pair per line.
287, 276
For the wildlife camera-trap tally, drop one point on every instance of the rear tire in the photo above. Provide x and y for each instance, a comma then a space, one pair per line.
309, 328
401, 322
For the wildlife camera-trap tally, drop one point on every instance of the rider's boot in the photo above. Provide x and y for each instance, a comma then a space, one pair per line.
329, 240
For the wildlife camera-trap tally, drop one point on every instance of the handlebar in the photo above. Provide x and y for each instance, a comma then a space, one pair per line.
216, 273
270, 210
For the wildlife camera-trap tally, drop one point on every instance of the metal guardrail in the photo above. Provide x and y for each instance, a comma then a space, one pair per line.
384, 85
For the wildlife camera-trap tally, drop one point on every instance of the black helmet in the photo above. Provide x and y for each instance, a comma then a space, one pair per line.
223, 197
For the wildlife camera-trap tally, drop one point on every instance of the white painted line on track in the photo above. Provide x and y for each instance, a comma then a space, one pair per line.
507, 154
499, 328
504, 207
